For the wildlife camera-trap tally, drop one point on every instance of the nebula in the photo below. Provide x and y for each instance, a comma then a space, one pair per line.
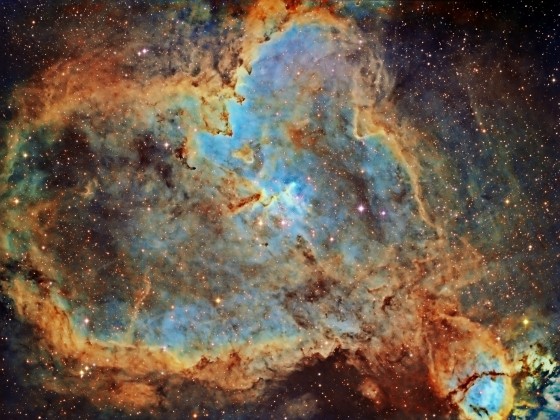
270, 209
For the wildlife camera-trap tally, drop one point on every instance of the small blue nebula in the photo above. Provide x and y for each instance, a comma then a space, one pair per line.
486, 397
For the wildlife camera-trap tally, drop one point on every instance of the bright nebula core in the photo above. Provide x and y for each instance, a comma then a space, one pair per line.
279, 209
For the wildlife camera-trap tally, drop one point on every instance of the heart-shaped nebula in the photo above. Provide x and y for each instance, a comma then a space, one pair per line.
268, 209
